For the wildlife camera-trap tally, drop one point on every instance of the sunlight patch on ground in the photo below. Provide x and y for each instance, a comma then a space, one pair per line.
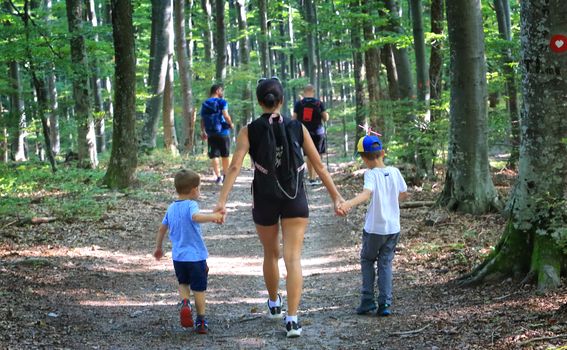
241, 266
220, 237
122, 303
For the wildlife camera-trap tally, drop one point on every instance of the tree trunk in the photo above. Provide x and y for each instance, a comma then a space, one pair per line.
538, 210
96, 85
403, 67
181, 53
264, 49
220, 41
387, 56
161, 19
310, 38
169, 134
468, 185
53, 105
436, 57
208, 31
244, 46
123, 158
86, 139
360, 117
372, 64
18, 112
233, 26
504, 28
425, 152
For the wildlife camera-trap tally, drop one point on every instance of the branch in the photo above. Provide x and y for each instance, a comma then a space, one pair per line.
411, 332
416, 204
543, 338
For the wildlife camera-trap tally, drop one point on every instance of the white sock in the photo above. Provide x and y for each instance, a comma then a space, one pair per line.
276, 303
291, 319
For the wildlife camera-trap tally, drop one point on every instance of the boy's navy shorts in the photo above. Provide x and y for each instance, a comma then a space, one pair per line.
268, 211
193, 273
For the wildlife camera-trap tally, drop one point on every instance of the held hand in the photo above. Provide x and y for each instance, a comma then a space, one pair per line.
339, 207
344, 208
158, 253
220, 209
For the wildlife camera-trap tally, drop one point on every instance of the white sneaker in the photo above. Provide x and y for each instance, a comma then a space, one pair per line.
276, 311
293, 329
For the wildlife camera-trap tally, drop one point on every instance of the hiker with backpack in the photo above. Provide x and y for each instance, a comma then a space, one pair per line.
311, 112
215, 128
276, 145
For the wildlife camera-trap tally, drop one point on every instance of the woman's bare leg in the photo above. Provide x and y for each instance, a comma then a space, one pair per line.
293, 231
271, 244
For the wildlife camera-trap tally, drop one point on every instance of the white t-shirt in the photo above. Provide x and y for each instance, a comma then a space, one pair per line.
383, 215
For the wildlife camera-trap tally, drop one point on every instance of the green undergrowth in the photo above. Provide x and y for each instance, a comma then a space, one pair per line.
31, 189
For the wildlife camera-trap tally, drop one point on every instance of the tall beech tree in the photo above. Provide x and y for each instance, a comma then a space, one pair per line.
468, 185
183, 59
220, 41
502, 8
162, 11
534, 241
124, 157
86, 138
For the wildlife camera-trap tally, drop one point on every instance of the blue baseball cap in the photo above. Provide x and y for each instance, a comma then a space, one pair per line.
369, 143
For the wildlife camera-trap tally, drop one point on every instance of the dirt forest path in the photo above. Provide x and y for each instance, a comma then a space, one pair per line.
95, 285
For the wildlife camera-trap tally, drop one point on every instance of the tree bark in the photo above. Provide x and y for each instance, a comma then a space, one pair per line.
504, 28
96, 85
208, 41
360, 116
220, 41
436, 57
86, 138
310, 38
123, 158
263, 42
161, 19
53, 105
372, 64
18, 112
181, 53
387, 56
244, 45
468, 185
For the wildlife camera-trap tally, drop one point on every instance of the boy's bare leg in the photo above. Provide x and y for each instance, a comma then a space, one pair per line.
271, 244
293, 230
184, 291
200, 302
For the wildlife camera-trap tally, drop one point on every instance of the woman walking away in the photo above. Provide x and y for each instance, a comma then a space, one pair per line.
276, 145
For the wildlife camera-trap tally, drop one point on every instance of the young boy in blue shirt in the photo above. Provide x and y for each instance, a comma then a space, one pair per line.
385, 187
189, 252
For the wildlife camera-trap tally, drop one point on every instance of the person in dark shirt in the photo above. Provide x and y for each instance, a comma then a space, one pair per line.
311, 112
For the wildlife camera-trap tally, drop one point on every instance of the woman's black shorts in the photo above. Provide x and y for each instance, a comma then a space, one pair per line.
268, 211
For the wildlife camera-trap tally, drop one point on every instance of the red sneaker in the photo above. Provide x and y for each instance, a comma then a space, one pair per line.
185, 315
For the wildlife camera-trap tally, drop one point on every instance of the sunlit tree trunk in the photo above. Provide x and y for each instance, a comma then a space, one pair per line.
123, 158
169, 134
96, 84
387, 56
220, 41
310, 38
208, 31
372, 65
52, 104
263, 41
86, 138
504, 28
244, 45
181, 53
18, 112
530, 245
356, 33
436, 57
468, 185
161, 33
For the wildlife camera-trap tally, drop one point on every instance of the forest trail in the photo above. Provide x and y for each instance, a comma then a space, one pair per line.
99, 287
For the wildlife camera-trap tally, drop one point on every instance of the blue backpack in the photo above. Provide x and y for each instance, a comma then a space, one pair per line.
211, 112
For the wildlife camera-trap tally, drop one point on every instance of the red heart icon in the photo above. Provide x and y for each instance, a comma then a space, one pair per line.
558, 43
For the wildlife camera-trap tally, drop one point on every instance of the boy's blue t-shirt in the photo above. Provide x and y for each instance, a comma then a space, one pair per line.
223, 104
185, 234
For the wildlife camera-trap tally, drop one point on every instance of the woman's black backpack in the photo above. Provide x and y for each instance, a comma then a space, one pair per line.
277, 155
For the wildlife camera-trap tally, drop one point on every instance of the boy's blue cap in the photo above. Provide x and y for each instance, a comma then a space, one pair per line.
369, 143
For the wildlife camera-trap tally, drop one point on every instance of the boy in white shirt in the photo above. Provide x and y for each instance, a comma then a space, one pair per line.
385, 187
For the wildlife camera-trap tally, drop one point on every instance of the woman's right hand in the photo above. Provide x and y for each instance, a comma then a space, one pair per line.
220, 208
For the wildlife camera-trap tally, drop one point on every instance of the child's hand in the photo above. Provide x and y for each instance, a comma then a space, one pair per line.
218, 218
158, 254
344, 208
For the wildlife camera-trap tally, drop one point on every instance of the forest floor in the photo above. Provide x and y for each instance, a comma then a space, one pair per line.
95, 284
